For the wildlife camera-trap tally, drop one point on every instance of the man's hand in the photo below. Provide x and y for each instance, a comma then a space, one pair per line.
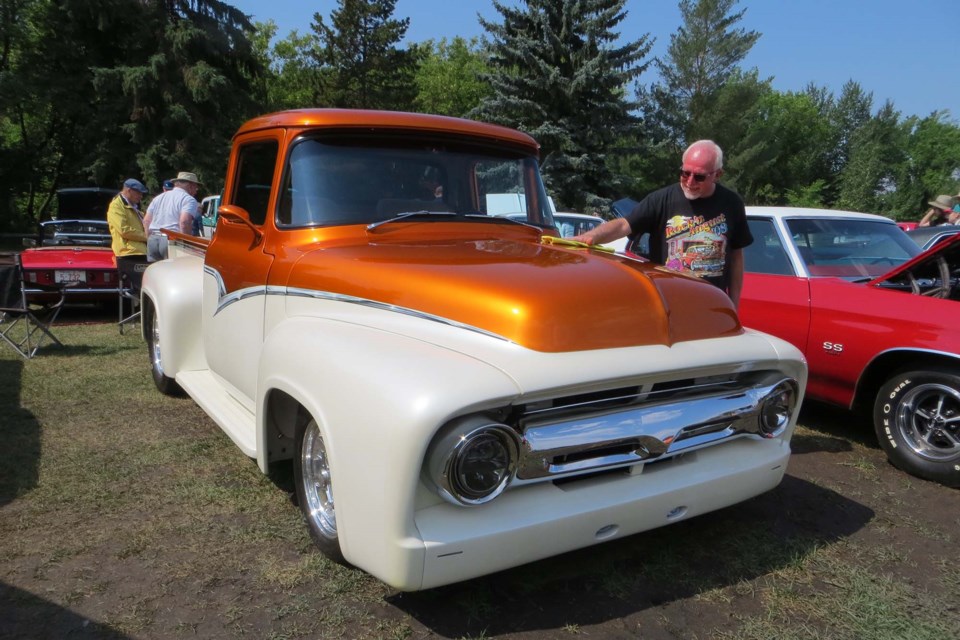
607, 232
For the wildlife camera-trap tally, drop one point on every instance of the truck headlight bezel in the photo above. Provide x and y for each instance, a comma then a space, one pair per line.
474, 461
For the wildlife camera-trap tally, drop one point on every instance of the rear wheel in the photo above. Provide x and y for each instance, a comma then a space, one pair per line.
314, 485
165, 384
917, 419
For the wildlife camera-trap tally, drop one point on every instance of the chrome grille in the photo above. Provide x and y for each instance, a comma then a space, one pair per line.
586, 433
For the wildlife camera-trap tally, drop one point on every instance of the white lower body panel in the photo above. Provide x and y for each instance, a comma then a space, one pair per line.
544, 520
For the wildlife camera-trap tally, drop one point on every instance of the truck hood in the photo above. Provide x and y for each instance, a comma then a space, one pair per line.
544, 297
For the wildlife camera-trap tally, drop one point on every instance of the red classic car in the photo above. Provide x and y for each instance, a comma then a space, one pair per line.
74, 248
878, 323
67, 252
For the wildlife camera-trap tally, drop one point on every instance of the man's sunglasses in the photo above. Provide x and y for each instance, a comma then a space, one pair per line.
697, 177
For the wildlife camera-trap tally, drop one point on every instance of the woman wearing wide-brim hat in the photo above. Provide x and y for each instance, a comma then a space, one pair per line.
939, 211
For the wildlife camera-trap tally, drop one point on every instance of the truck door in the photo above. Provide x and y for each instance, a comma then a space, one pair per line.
237, 265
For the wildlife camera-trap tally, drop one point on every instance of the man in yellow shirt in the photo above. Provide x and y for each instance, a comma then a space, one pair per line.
129, 241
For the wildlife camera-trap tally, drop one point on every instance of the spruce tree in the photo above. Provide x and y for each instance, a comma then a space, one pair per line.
182, 90
691, 97
360, 63
560, 75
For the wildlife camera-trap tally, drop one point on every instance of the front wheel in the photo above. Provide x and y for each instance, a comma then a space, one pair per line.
314, 484
917, 419
164, 383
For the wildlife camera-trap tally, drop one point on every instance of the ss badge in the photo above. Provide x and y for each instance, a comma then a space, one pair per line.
833, 347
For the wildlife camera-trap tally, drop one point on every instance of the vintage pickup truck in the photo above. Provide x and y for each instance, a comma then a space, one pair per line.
459, 392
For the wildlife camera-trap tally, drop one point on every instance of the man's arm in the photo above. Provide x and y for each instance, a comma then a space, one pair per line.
121, 225
927, 217
186, 222
735, 281
189, 210
607, 232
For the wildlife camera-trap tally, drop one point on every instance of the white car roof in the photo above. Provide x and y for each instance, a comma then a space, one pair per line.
578, 216
799, 212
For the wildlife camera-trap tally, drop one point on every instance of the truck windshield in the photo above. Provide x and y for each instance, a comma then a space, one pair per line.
338, 180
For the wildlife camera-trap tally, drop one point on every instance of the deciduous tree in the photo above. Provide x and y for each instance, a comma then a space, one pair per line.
450, 79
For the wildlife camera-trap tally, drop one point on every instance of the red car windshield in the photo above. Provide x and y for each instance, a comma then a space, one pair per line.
848, 248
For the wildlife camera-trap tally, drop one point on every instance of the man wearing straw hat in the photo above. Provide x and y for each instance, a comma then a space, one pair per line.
173, 210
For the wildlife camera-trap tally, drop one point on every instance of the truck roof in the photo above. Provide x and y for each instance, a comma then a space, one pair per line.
363, 118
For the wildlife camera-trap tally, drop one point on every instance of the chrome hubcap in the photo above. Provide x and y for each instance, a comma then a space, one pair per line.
155, 345
316, 482
929, 421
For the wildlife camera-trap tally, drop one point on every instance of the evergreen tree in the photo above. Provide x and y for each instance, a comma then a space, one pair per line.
185, 88
360, 64
704, 52
559, 75
702, 92
52, 119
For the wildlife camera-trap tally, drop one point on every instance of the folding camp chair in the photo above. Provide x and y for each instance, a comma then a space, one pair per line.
131, 270
26, 325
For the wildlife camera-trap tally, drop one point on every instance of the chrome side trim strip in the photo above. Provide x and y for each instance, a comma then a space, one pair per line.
383, 306
224, 300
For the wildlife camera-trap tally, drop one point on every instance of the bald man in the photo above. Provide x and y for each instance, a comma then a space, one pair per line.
697, 226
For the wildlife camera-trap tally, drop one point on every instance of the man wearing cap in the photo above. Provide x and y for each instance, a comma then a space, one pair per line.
173, 210
128, 240
940, 212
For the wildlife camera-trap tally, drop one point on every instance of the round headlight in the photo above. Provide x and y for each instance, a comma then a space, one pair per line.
473, 461
481, 466
776, 409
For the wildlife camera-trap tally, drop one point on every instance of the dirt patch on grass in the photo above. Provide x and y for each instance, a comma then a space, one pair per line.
126, 514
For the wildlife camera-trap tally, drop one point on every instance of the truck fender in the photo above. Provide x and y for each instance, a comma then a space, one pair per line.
378, 398
174, 289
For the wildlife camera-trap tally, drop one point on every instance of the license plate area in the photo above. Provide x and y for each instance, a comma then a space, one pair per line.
69, 276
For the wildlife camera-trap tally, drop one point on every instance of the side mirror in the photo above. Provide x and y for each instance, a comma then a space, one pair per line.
232, 214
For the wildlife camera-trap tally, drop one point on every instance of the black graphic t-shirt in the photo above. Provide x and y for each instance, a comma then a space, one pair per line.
695, 236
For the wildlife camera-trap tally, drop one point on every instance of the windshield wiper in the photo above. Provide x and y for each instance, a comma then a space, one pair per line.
411, 214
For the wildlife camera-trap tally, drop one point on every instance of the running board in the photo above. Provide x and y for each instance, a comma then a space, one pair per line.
230, 415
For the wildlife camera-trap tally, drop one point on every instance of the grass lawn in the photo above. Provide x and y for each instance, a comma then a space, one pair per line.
126, 513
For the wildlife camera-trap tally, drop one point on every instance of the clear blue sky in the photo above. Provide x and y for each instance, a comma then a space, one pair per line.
901, 50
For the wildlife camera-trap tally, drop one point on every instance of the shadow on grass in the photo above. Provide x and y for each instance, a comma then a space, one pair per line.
20, 435
24, 615
837, 428
623, 578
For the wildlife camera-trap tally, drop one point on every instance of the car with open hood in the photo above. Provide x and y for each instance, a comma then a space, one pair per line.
459, 392
877, 319
73, 247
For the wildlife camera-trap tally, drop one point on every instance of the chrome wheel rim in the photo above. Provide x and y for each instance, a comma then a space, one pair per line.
315, 472
155, 345
929, 421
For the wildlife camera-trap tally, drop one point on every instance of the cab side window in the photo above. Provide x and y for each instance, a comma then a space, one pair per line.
254, 181
766, 254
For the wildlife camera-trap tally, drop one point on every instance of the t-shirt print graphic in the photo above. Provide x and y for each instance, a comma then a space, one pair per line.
696, 246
